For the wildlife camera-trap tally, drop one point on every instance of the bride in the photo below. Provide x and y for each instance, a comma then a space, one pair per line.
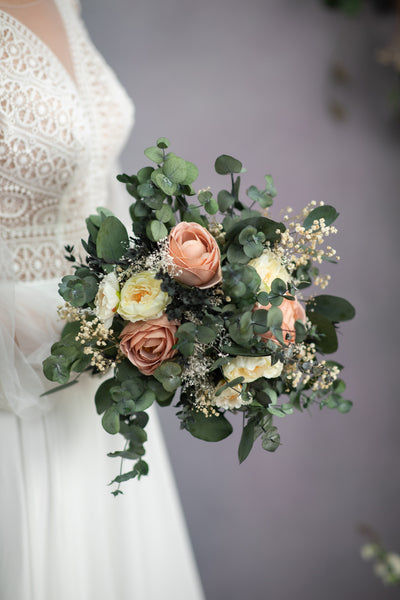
63, 120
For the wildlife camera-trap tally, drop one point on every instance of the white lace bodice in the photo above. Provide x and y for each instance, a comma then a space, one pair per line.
59, 138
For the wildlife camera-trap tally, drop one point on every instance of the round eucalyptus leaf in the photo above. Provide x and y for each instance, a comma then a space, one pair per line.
206, 335
192, 173
57, 368
328, 341
345, 406
155, 154
164, 213
156, 231
225, 200
271, 440
146, 189
333, 308
103, 399
226, 164
236, 255
110, 420
175, 169
209, 429
163, 143
269, 186
144, 174
329, 213
164, 183
145, 400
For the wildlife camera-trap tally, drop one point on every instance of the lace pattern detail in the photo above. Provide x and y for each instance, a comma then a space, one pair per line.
58, 140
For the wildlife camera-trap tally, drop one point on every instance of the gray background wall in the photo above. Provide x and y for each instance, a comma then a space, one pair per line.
252, 79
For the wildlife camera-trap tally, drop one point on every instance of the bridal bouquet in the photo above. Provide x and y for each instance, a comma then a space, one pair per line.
202, 302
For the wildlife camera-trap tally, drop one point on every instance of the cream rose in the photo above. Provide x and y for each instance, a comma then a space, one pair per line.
251, 368
142, 298
107, 299
269, 267
229, 398
147, 344
195, 255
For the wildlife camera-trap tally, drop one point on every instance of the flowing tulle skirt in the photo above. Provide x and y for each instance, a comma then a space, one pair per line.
63, 535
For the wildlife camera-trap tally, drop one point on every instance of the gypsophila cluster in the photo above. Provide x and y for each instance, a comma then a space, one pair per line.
95, 339
300, 245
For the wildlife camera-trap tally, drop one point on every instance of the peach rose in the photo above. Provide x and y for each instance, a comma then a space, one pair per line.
291, 311
195, 255
147, 344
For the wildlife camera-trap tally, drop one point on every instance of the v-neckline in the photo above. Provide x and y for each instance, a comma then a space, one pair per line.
52, 56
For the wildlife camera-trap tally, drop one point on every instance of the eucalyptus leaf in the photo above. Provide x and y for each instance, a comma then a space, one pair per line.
226, 164
333, 308
329, 213
328, 341
155, 154
164, 183
246, 441
192, 173
163, 143
225, 200
260, 196
156, 231
57, 368
269, 186
165, 213
110, 420
145, 400
271, 440
175, 169
210, 429
103, 398
112, 240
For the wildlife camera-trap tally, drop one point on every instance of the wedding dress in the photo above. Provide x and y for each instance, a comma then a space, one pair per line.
63, 536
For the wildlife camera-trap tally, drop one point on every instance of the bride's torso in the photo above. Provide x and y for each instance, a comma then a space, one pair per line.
63, 120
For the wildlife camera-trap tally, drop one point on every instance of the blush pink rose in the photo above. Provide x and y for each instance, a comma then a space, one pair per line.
195, 254
147, 344
291, 311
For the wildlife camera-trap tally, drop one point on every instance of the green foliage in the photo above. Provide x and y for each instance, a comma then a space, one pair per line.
351, 7
57, 368
112, 240
329, 213
271, 439
241, 283
210, 429
246, 441
226, 164
227, 320
326, 341
333, 308
78, 291
168, 374
110, 420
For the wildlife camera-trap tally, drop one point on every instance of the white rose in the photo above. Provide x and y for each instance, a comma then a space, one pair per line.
269, 267
251, 368
142, 298
107, 299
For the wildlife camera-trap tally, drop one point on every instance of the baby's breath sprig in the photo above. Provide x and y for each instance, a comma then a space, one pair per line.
97, 339
300, 245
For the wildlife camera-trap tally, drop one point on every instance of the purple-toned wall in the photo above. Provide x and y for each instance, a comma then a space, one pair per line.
252, 79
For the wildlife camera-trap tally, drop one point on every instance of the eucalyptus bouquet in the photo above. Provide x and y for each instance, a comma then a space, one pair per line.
204, 296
